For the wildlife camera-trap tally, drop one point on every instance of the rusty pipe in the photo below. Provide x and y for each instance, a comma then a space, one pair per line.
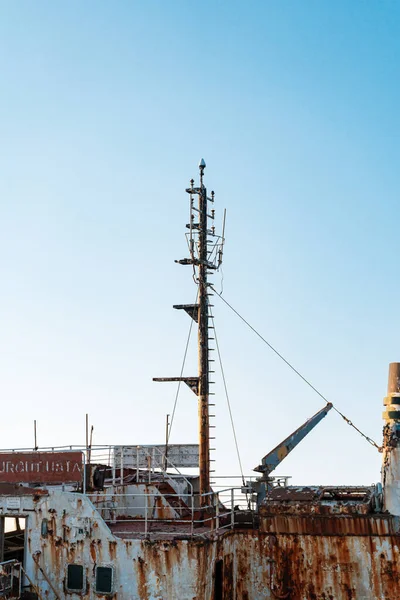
36, 559
31, 582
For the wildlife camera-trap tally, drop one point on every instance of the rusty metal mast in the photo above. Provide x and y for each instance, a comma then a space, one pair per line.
206, 250
203, 356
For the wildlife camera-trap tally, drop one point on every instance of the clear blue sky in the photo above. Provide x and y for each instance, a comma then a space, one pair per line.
105, 110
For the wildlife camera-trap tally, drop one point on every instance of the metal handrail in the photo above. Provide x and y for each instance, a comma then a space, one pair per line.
151, 458
168, 463
8, 570
222, 516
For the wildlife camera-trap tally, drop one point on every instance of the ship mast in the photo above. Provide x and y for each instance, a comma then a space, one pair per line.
203, 347
206, 250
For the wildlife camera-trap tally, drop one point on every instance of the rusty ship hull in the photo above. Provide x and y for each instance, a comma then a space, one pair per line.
301, 557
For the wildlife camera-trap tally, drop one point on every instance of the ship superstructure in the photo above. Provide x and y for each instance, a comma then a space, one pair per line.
147, 523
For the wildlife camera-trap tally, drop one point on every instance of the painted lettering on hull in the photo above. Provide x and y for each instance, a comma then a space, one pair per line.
41, 467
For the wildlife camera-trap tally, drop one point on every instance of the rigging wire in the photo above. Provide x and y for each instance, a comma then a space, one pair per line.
181, 375
369, 440
227, 398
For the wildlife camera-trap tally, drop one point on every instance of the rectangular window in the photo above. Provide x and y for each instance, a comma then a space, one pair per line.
45, 528
75, 579
104, 580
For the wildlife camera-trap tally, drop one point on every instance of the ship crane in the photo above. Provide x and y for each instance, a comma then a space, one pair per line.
206, 252
273, 459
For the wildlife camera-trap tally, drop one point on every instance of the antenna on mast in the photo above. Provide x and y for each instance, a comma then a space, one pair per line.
205, 249
35, 435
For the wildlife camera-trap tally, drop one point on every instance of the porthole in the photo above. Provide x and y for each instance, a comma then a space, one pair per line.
75, 578
104, 580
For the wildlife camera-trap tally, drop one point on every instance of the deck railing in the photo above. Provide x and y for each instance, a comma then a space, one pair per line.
142, 514
10, 579
146, 510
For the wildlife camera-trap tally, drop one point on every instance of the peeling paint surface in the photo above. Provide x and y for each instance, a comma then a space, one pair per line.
351, 557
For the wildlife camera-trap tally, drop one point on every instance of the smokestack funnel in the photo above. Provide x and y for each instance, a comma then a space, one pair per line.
391, 442
394, 378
